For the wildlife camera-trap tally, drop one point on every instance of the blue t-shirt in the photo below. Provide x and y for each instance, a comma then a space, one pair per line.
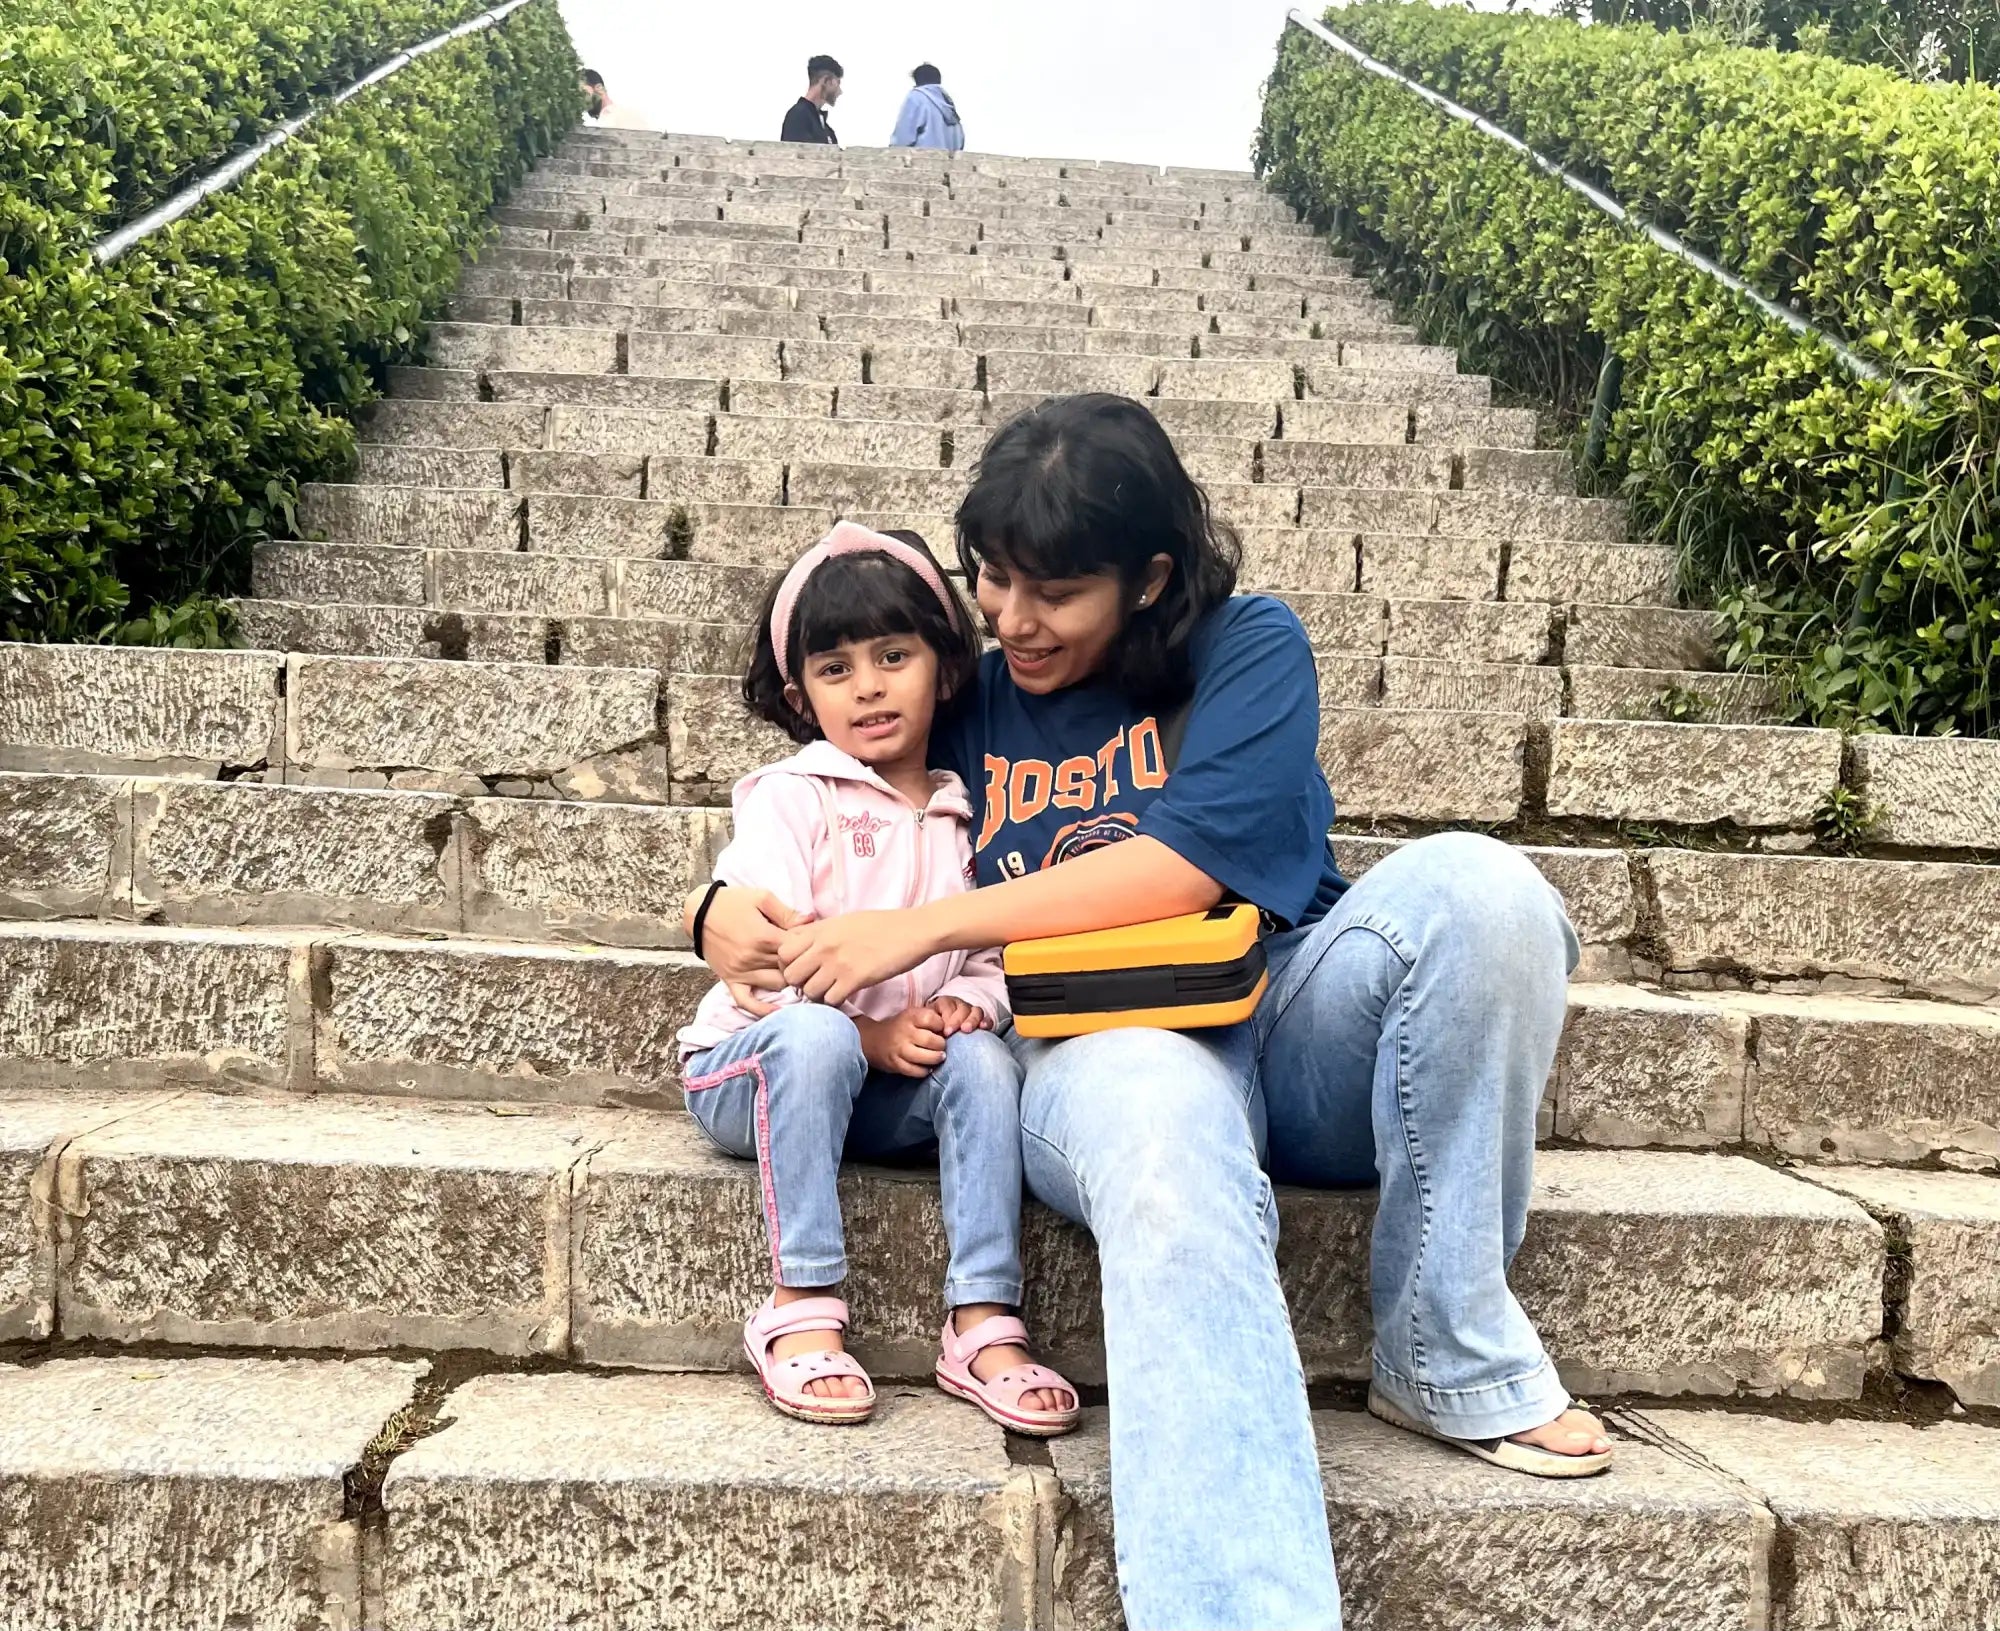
1057, 776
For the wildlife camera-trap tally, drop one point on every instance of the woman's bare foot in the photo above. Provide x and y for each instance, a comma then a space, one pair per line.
1004, 1356
811, 1342
1574, 1432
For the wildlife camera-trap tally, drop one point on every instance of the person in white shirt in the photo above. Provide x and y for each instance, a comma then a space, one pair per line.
610, 115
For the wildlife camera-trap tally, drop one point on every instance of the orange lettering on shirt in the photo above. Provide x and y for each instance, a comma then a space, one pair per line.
1107, 759
1076, 789
996, 799
1028, 789
1149, 763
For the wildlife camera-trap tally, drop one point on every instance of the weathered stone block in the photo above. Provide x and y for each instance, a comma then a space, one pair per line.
1505, 688
515, 1022
32, 1126
1946, 1230
1482, 630
1427, 1540
93, 708
1385, 763
1751, 775
1043, 374
692, 591
1680, 1315
614, 475
186, 1491
246, 852
1863, 1080
1640, 1067
427, 517
596, 1496
702, 356
1339, 622
1412, 565
538, 869
545, 348
1886, 1527
1652, 693
388, 575
1932, 793
65, 845
516, 719
1360, 464
829, 441
132, 1007
322, 1222
1933, 925
1641, 637
713, 741
541, 584
1612, 574
1370, 510
1297, 561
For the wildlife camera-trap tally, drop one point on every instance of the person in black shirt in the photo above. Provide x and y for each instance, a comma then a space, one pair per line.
806, 122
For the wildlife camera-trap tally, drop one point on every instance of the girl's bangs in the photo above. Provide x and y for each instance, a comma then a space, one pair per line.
860, 597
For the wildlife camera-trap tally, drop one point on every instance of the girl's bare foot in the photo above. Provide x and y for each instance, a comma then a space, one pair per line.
991, 1362
805, 1342
1574, 1432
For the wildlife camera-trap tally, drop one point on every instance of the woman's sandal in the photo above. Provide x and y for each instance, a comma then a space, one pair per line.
785, 1380
1531, 1459
1001, 1397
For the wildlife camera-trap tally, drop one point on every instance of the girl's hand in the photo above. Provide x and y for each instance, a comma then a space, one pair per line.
911, 1044
958, 1017
831, 960
740, 938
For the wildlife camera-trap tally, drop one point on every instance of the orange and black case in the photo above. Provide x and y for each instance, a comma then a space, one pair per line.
1176, 974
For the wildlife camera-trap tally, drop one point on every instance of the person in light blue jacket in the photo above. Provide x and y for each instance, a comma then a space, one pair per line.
929, 117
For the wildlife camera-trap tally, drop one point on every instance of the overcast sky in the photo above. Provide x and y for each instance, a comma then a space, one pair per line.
1158, 81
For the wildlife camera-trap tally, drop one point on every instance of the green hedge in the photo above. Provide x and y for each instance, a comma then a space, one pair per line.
157, 414
1850, 533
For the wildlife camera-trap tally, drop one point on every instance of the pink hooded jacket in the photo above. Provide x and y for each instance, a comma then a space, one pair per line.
825, 834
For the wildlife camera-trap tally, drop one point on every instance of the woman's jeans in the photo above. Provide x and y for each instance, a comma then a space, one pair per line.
1404, 1040
793, 1091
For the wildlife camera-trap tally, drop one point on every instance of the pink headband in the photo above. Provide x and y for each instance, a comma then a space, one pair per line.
846, 539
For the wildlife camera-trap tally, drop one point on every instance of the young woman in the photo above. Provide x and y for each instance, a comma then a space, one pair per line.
1404, 1040
858, 646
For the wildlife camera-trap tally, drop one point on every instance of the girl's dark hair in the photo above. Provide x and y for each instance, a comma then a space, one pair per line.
859, 597
1079, 485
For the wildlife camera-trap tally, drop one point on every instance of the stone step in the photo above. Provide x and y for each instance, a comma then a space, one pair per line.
1815, 1076
219, 1219
216, 1486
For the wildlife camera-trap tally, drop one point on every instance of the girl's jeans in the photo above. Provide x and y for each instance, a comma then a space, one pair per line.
1405, 1040
793, 1091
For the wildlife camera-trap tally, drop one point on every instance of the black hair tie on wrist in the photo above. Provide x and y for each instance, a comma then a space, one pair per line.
701, 914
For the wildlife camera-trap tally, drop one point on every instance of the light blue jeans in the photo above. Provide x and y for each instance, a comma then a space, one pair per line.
1404, 1041
794, 1093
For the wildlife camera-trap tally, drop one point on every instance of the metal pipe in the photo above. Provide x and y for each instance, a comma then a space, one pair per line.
1858, 366
225, 175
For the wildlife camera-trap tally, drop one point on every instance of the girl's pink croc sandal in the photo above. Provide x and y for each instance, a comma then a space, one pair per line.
785, 1380
1001, 1397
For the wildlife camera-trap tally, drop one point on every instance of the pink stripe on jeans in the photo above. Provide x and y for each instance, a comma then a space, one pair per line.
754, 1065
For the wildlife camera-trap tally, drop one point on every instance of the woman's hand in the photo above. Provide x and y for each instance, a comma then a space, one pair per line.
829, 961
740, 940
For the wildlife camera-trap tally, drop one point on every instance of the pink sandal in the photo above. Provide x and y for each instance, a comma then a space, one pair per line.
785, 1380
1001, 1397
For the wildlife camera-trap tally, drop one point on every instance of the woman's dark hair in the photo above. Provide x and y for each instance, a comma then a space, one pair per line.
1079, 485
859, 597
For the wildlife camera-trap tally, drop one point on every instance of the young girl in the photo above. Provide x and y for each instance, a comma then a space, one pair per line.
857, 647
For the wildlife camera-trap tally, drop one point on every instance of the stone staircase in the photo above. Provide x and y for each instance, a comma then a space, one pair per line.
359, 1266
